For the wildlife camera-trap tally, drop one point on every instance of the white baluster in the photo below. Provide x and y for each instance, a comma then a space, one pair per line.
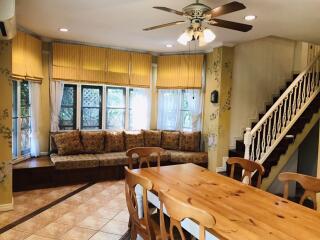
247, 143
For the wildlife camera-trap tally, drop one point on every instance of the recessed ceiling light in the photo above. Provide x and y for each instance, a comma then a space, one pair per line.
250, 17
63, 29
169, 45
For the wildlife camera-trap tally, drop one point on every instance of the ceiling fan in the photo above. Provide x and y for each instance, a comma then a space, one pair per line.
197, 14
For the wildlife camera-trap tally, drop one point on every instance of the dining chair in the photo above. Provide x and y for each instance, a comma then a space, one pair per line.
146, 226
310, 184
249, 168
178, 211
144, 155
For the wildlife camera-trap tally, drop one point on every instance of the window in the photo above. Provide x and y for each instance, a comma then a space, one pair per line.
91, 107
179, 110
104, 107
139, 110
68, 112
21, 119
116, 108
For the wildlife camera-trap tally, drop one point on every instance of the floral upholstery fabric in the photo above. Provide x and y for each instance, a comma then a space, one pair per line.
114, 142
74, 161
164, 157
152, 138
68, 143
113, 159
190, 141
170, 140
93, 142
134, 139
53, 145
188, 157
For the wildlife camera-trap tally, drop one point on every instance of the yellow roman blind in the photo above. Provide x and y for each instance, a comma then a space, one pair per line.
26, 57
65, 61
117, 67
92, 64
140, 69
180, 71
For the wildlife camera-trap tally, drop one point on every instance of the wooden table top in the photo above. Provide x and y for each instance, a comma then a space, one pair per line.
241, 211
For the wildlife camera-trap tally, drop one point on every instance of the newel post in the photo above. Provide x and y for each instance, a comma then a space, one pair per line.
247, 143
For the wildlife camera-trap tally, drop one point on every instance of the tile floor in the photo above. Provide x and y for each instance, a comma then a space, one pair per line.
96, 213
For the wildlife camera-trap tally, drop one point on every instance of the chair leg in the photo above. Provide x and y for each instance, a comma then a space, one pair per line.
133, 233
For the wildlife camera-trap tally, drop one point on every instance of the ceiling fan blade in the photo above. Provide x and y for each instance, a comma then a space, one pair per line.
230, 25
164, 25
224, 9
169, 10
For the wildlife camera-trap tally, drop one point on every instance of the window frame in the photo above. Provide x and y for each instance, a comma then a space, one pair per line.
100, 88
74, 107
20, 154
119, 108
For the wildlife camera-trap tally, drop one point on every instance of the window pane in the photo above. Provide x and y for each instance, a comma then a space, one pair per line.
116, 97
14, 119
139, 114
116, 118
186, 118
91, 107
116, 108
68, 112
25, 112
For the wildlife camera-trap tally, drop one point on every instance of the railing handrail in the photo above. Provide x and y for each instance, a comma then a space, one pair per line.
283, 96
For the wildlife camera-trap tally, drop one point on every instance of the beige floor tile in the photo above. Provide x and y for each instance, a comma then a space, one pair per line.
31, 226
54, 230
71, 218
63, 208
123, 216
78, 233
115, 227
93, 222
14, 235
36, 237
105, 236
116, 204
105, 212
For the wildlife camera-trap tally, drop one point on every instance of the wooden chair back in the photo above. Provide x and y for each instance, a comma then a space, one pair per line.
249, 168
143, 228
178, 211
144, 155
310, 184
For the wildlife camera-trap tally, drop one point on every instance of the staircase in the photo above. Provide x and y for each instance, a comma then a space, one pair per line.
277, 128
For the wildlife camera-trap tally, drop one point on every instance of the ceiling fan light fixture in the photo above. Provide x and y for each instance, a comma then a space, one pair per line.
208, 35
250, 17
201, 39
185, 37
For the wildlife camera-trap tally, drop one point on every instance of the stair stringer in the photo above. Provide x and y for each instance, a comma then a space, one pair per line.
275, 170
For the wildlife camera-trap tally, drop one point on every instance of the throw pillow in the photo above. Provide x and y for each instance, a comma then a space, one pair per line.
68, 143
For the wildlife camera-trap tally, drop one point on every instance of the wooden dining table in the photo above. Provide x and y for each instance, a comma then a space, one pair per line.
241, 211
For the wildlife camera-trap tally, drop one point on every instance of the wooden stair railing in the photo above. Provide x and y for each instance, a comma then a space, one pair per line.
264, 137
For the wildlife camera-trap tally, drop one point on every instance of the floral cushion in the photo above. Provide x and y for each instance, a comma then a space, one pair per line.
114, 142
93, 142
68, 143
170, 140
188, 157
190, 141
134, 139
152, 138
113, 159
74, 161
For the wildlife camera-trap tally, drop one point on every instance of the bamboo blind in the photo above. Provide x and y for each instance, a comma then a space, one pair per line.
117, 67
100, 65
26, 57
92, 64
66, 61
140, 71
180, 71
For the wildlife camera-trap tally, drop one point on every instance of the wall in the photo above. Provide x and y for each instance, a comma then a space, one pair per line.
44, 124
308, 153
291, 166
5, 124
216, 117
261, 69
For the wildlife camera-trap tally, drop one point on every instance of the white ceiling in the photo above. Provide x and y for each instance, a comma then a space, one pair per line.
119, 23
